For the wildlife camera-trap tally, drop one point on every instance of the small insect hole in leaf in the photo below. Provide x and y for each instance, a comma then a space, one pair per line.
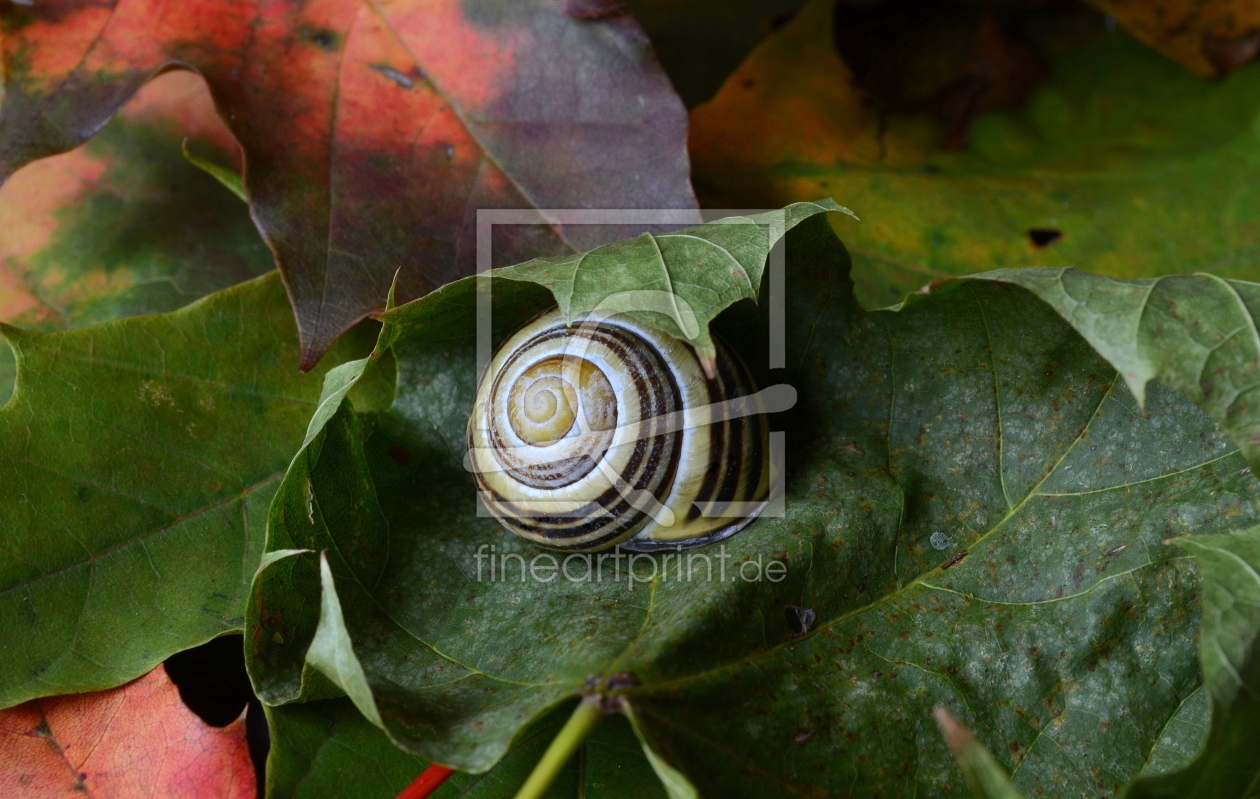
1042, 237
957, 558
800, 620
325, 40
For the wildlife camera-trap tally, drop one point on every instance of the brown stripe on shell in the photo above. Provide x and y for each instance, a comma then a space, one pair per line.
737, 450
734, 464
717, 441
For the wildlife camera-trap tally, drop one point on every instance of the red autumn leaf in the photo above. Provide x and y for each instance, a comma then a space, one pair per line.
138, 740
373, 131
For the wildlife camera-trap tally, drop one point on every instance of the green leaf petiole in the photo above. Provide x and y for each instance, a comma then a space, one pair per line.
585, 716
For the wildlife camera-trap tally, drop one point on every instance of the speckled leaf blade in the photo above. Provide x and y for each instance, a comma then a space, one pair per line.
137, 462
993, 555
976, 514
1140, 168
1227, 766
374, 130
123, 225
1195, 333
327, 748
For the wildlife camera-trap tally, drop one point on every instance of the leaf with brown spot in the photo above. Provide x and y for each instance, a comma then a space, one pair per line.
373, 131
1208, 37
1065, 661
133, 742
1118, 161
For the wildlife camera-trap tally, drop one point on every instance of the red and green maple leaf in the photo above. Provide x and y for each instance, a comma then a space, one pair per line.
373, 131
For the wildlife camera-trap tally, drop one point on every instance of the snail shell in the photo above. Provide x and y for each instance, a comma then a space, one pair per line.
589, 435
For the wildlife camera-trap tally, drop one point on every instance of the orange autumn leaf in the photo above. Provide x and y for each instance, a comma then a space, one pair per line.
1077, 174
138, 740
792, 77
1208, 37
372, 131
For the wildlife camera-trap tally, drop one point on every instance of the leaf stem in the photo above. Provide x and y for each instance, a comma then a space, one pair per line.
585, 716
428, 782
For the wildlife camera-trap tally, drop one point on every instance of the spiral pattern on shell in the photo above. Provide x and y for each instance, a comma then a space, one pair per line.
589, 435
